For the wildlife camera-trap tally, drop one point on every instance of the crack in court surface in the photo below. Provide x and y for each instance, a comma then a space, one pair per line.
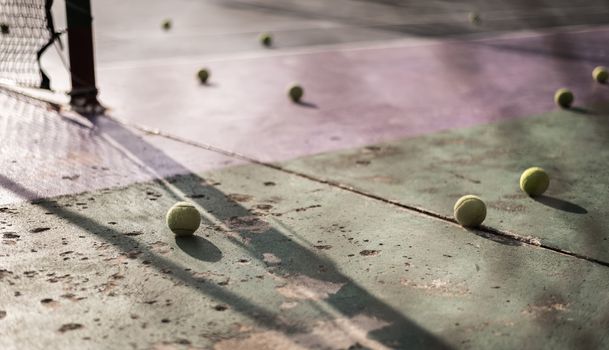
483, 230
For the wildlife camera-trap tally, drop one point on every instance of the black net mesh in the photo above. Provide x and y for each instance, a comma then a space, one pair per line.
26, 30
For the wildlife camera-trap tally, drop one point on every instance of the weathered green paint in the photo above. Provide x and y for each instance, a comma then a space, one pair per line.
294, 262
433, 171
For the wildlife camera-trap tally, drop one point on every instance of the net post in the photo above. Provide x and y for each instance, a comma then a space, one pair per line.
83, 95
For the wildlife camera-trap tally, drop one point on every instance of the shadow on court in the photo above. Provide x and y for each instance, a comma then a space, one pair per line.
351, 300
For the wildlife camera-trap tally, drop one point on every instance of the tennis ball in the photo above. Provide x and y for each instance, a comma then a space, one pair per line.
266, 39
296, 92
564, 98
474, 18
203, 75
534, 181
166, 24
600, 74
183, 219
470, 211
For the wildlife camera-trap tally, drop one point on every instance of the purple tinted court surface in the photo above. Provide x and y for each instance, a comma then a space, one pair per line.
355, 96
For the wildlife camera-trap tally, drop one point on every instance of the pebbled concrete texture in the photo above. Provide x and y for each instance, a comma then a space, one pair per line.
283, 262
433, 171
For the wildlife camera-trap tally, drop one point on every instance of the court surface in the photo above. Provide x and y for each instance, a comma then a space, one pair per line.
326, 224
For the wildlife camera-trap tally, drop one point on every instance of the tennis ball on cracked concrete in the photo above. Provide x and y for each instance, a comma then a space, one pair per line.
534, 181
470, 211
183, 219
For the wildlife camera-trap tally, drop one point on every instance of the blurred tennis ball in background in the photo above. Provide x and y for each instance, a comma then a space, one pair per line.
296, 92
600, 74
203, 75
474, 18
564, 98
266, 39
166, 24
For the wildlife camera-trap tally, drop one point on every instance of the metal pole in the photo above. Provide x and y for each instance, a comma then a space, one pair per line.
82, 65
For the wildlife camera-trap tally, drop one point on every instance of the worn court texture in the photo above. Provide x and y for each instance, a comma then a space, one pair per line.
327, 224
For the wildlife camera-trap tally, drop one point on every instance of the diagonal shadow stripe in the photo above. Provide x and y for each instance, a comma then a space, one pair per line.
400, 330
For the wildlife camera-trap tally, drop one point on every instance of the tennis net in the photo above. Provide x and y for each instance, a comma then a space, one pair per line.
26, 31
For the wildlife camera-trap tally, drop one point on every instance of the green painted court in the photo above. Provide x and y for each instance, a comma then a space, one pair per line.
325, 224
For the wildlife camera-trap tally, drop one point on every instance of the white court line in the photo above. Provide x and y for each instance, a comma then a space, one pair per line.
347, 47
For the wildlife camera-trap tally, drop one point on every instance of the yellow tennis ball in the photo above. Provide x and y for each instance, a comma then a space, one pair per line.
183, 219
564, 98
470, 211
203, 75
474, 18
600, 74
266, 39
296, 92
534, 181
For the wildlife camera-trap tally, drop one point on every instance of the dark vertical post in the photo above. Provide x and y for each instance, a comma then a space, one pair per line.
80, 42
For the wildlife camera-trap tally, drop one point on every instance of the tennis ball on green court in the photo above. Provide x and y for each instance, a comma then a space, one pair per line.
266, 39
183, 219
203, 75
470, 211
166, 24
534, 181
564, 98
600, 74
296, 92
